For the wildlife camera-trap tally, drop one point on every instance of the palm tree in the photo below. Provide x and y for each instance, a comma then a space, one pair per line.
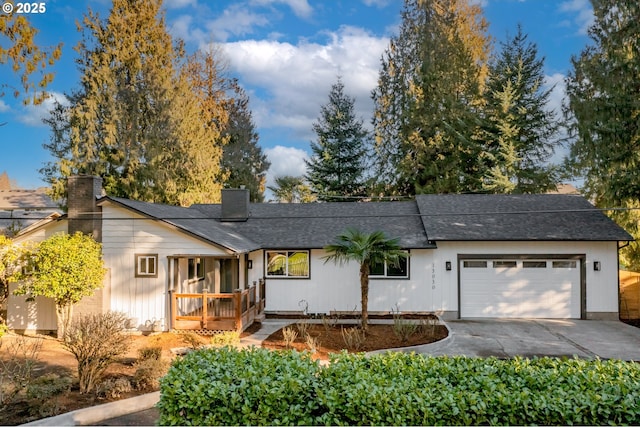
367, 250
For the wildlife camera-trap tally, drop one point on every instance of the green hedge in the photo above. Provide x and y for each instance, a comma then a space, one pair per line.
262, 387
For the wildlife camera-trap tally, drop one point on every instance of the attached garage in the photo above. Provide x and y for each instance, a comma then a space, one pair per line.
521, 287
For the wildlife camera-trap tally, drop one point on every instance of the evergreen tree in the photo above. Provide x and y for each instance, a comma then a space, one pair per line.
428, 97
520, 132
135, 120
336, 170
603, 91
18, 48
242, 158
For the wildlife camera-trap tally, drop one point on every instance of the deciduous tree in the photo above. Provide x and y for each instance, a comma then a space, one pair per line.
65, 268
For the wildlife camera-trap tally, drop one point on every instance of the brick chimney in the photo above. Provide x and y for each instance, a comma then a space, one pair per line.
235, 204
83, 213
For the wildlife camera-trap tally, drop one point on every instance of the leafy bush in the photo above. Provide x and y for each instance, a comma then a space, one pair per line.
259, 387
225, 338
240, 387
48, 385
148, 373
95, 340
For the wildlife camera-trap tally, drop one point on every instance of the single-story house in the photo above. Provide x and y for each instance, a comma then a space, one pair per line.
22, 208
470, 256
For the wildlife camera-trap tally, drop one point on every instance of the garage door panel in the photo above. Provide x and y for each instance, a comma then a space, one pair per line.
537, 290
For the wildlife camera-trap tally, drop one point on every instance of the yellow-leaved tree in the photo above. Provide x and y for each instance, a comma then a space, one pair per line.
65, 268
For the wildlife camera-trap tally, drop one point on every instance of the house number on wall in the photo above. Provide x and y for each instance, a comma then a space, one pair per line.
433, 275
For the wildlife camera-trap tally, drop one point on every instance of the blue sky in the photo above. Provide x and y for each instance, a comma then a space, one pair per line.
286, 54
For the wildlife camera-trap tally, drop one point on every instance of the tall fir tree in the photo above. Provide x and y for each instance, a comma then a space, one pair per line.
134, 120
520, 132
603, 90
427, 99
19, 49
336, 170
243, 158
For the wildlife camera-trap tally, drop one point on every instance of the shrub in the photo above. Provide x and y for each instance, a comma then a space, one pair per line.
148, 374
147, 353
225, 338
16, 369
113, 388
259, 387
403, 328
95, 340
192, 340
48, 385
240, 387
427, 326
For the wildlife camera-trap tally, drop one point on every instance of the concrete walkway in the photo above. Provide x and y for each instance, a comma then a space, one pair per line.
473, 338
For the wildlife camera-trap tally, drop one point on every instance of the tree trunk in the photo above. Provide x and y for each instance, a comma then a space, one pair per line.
63, 317
364, 290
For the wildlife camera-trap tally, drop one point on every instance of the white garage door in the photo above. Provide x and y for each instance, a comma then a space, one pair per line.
515, 288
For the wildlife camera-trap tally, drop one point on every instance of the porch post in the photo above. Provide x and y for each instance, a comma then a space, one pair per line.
237, 297
205, 300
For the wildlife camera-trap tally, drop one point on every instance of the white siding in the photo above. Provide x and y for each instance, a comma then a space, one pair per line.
601, 286
38, 315
430, 286
334, 287
125, 234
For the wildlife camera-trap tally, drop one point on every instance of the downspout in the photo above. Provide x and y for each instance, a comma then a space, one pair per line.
627, 243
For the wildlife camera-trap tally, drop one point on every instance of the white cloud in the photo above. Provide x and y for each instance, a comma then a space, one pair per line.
236, 20
296, 78
285, 161
179, 4
34, 114
376, 3
4, 107
583, 13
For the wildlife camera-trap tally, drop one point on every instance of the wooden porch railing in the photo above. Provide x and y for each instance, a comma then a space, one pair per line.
217, 312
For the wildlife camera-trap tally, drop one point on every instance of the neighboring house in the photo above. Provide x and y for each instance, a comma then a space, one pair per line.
21, 208
506, 256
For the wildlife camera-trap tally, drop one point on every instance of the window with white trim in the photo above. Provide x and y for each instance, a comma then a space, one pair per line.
396, 270
293, 264
146, 265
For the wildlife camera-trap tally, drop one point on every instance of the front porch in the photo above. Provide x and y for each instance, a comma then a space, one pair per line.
211, 294
211, 313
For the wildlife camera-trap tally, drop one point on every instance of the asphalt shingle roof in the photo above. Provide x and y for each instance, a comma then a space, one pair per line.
191, 221
521, 217
444, 217
315, 225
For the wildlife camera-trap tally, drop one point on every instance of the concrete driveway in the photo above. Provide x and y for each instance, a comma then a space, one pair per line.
529, 338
